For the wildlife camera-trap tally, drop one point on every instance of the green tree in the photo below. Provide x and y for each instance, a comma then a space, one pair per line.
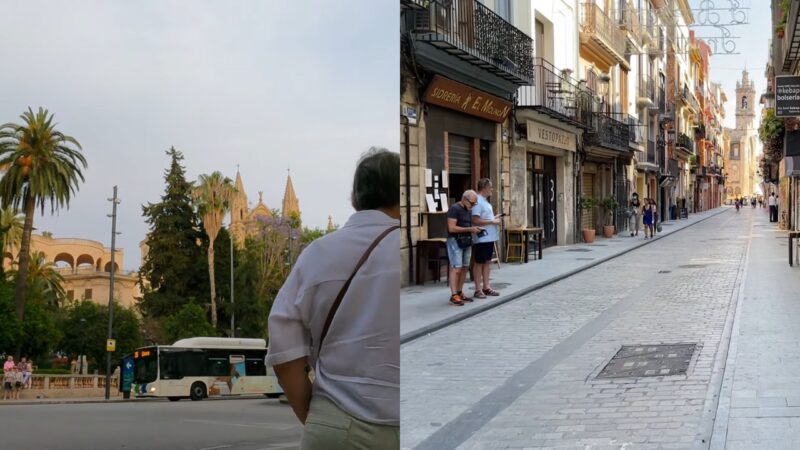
40, 332
11, 224
10, 331
85, 328
43, 166
170, 275
308, 235
44, 281
189, 321
212, 196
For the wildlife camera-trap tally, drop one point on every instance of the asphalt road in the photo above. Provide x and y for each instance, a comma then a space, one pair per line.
156, 424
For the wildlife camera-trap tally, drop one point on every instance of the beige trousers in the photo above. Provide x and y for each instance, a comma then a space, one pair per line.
329, 427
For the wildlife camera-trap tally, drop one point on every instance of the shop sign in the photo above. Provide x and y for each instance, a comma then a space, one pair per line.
540, 133
787, 95
460, 97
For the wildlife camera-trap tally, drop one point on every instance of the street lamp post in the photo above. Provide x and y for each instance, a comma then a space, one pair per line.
115, 201
233, 299
83, 344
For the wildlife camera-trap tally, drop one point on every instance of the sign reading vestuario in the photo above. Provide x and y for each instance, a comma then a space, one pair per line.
787, 95
460, 97
544, 134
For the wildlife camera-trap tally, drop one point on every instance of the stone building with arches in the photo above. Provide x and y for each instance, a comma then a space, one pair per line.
85, 266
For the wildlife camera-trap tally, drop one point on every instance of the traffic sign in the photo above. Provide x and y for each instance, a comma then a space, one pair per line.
111, 345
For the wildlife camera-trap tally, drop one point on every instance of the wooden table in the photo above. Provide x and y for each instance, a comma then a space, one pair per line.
424, 248
526, 232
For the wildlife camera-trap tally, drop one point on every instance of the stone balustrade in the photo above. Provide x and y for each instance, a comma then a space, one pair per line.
65, 386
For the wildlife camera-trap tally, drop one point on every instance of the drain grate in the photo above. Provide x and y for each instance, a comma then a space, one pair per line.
649, 361
693, 266
579, 250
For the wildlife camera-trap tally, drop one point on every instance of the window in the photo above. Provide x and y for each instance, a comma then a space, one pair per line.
218, 366
87, 294
539, 39
254, 366
70, 295
504, 9
744, 102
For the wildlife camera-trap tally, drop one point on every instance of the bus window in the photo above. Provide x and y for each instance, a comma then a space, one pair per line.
218, 366
255, 366
145, 366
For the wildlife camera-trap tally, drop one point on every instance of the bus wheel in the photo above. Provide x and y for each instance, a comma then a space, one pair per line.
198, 391
272, 395
174, 399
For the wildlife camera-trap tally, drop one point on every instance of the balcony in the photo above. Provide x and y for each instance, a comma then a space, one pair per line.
608, 132
649, 27
472, 32
685, 142
557, 95
599, 31
661, 152
687, 97
651, 152
791, 38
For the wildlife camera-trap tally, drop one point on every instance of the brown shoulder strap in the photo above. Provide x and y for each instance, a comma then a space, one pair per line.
344, 288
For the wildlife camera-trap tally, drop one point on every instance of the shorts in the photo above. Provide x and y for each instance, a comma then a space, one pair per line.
459, 257
484, 252
7, 385
18, 385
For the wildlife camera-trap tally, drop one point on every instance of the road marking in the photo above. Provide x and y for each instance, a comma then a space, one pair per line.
214, 448
245, 425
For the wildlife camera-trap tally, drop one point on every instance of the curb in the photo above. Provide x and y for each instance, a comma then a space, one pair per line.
436, 326
77, 401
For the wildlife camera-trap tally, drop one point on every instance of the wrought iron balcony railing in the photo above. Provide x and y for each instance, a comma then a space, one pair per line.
651, 152
608, 132
685, 142
662, 100
598, 26
474, 33
557, 94
661, 151
791, 37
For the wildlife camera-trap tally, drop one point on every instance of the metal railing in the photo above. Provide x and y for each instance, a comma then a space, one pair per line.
662, 100
557, 94
791, 37
661, 151
608, 132
596, 24
651, 152
685, 142
475, 33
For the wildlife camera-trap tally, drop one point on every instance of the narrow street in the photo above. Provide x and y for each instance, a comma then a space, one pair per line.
527, 374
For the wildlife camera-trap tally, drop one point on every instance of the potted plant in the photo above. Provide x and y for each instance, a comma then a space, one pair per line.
588, 204
609, 205
779, 30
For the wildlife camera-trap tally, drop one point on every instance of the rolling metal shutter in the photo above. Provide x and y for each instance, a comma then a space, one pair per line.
588, 218
460, 154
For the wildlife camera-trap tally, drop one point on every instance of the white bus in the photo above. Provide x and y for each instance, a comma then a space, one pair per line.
201, 367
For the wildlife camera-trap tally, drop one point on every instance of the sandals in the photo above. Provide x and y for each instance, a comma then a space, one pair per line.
479, 294
491, 292
464, 298
455, 300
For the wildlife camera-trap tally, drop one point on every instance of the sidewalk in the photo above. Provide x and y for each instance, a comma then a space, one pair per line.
425, 309
759, 404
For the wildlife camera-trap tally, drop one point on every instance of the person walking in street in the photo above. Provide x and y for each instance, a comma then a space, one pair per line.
773, 207
634, 206
459, 244
483, 216
647, 217
753, 202
338, 313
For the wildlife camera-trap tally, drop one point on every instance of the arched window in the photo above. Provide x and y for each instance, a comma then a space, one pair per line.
744, 102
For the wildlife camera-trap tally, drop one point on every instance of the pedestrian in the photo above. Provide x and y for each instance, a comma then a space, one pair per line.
9, 364
483, 215
338, 313
29, 370
753, 202
459, 244
8, 383
23, 368
634, 205
656, 226
773, 207
647, 218
17, 382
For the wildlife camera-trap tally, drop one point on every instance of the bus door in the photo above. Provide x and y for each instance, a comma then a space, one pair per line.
237, 373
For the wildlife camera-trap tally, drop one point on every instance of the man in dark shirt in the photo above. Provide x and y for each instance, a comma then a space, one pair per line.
459, 244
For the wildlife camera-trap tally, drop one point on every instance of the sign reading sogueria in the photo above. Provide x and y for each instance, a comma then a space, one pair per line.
460, 97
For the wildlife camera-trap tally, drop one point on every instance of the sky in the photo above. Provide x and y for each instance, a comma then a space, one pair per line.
266, 85
752, 46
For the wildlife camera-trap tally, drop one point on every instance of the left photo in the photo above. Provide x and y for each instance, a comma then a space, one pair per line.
200, 225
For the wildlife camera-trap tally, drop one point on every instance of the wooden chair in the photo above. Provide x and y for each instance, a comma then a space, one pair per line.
517, 244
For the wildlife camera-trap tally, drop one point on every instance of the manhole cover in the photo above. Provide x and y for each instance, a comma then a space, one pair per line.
579, 250
692, 266
584, 259
649, 361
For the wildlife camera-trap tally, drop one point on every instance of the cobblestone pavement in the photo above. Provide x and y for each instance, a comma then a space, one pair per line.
523, 375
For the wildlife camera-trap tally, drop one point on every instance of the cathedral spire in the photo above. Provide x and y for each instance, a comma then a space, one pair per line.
330, 224
290, 202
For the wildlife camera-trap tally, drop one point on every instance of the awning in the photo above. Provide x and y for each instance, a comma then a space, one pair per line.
666, 180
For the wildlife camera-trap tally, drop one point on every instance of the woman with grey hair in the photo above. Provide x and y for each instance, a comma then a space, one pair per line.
338, 312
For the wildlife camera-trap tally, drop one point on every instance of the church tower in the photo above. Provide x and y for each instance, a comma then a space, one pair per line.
743, 137
239, 211
290, 202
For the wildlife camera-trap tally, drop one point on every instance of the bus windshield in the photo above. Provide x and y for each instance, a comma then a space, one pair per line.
145, 365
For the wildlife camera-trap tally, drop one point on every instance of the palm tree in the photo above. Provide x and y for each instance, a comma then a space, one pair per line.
43, 166
45, 284
11, 223
212, 196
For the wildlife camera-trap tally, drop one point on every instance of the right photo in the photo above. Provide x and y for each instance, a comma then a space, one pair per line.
597, 199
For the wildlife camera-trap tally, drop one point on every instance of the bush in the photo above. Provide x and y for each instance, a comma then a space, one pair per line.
51, 371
